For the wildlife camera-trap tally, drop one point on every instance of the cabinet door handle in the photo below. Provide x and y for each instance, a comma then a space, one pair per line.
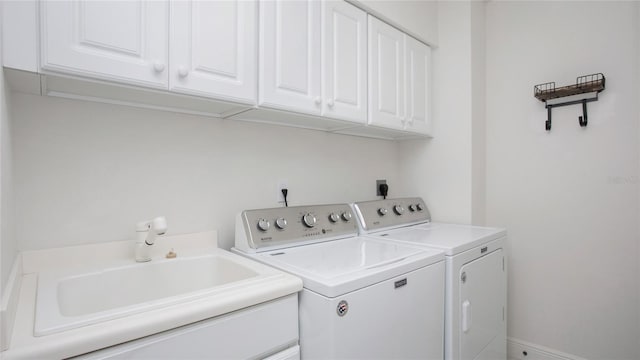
182, 71
318, 100
330, 103
158, 66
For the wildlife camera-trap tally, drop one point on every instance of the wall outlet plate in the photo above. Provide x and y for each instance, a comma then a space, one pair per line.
282, 184
378, 183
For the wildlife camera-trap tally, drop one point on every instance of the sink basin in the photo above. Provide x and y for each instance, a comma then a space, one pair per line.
67, 300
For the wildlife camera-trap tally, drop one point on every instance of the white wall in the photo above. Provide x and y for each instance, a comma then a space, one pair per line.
569, 197
439, 170
478, 112
87, 172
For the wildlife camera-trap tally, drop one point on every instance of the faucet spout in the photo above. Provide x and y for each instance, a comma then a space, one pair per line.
146, 236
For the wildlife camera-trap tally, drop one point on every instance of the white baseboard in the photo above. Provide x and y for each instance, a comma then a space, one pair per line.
522, 350
9, 303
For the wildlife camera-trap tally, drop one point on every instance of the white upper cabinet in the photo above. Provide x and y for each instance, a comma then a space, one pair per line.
290, 55
321, 64
313, 58
386, 75
344, 61
124, 41
213, 49
399, 80
418, 64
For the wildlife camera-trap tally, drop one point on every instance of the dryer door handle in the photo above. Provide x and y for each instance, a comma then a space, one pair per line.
467, 318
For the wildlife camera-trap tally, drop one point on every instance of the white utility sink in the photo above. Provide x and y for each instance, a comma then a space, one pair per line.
70, 299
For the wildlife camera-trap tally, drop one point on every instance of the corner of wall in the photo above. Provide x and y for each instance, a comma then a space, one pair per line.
8, 246
637, 31
478, 114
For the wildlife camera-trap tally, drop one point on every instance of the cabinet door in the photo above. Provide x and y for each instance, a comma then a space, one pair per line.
344, 47
124, 41
418, 65
213, 49
386, 75
290, 55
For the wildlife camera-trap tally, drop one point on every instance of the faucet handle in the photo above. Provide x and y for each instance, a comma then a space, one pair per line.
143, 226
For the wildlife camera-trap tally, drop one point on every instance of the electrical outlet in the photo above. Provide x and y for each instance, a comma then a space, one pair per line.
282, 184
378, 183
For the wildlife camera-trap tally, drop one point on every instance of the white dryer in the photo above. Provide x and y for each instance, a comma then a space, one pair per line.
475, 317
363, 298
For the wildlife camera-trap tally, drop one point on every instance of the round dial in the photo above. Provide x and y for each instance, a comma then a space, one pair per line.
419, 207
309, 220
398, 209
346, 216
412, 208
382, 211
281, 223
333, 217
263, 224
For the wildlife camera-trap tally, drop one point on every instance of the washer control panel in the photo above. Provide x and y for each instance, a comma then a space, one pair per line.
380, 214
285, 226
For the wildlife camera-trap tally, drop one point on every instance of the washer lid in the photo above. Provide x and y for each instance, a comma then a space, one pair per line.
337, 267
452, 239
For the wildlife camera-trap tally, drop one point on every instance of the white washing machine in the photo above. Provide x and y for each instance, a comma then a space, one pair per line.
363, 298
475, 317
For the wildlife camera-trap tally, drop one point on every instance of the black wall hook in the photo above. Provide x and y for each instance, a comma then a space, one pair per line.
582, 120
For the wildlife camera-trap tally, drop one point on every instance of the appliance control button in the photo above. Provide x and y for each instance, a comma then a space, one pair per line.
398, 209
309, 220
382, 211
333, 217
419, 207
281, 223
263, 224
346, 216
412, 208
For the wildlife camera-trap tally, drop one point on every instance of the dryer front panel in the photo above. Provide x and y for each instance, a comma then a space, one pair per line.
481, 304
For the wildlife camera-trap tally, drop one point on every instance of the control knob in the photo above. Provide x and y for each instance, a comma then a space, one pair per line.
346, 216
333, 217
281, 223
382, 211
309, 220
412, 208
263, 224
398, 209
419, 207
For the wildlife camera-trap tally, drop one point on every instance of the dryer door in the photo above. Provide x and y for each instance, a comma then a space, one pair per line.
482, 286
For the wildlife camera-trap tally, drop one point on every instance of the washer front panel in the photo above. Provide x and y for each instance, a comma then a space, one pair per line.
289, 226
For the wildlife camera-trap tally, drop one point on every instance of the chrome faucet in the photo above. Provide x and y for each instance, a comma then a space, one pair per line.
146, 236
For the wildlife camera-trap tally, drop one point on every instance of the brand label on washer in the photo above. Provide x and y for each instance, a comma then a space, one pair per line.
343, 308
400, 283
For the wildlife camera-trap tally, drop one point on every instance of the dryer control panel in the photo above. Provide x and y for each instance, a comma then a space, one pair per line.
267, 229
381, 214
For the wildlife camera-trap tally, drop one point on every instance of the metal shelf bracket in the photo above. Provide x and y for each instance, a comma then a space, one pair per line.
585, 90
